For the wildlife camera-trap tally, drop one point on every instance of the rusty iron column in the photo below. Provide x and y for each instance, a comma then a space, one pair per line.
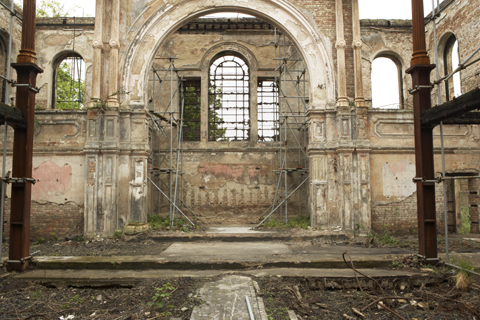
27, 71
425, 175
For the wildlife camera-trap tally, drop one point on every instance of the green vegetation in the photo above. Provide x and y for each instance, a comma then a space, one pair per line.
79, 238
76, 299
277, 313
158, 222
296, 222
463, 278
53, 8
465, 218
40, 240
382, 238
53, 236
191, 114
162, 295
69, 92
37, 294
118, 233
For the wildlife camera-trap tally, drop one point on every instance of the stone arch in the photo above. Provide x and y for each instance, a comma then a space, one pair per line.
216, 50
398, 61
55, 65
446, 46
147, 35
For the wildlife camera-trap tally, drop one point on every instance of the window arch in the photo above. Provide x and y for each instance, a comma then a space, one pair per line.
451, 59
229, 99
387, 85
69, 80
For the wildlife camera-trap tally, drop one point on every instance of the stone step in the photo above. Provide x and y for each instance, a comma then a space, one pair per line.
331, 278
232, 256
243, 233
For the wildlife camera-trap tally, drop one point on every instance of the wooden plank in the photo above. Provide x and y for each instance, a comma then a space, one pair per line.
472, 117
11, 115
452, 109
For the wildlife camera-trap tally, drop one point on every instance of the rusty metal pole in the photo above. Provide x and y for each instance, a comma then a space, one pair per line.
420, 71
27, 71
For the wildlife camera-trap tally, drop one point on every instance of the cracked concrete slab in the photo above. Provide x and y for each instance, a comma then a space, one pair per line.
227, 299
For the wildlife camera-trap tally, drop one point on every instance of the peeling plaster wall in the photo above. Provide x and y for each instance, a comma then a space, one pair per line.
225, 182
59, 168
16, 43
389, 39
141, 40
91, 166
55, 39
392, 167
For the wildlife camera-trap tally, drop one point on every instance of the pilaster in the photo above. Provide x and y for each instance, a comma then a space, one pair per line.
340, 46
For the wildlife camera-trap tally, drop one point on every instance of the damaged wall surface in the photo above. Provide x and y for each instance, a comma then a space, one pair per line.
92, 164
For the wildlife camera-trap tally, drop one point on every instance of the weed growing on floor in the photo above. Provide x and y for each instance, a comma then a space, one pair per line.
463, 277
301, 222
40, 241
382, 238
162, 295
158, 222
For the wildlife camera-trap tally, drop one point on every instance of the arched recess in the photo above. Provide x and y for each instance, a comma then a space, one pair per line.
391, 75
150, 32
68, 81
449, 60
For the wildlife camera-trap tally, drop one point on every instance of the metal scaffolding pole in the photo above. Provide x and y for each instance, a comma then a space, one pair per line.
5, 132
292, 131
166, 106
438, 83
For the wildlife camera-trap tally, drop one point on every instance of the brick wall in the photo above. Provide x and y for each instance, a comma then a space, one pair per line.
401, 216
50, 220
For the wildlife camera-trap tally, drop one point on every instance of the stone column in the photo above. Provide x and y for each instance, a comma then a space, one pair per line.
357, 55
97, 54
363, 220
114, 44
340, 45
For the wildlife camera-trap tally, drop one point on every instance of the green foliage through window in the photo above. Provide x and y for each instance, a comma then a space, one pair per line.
70, 84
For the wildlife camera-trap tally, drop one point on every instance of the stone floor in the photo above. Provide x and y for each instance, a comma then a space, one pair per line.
226, 299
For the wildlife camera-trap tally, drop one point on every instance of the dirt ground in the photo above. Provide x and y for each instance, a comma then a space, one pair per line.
148, 243
310, 298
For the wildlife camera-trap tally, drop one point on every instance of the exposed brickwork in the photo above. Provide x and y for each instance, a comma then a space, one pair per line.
401, 216
459, 18
50, 220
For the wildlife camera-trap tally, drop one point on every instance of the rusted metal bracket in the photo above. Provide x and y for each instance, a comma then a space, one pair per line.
29, 86
417, 179
420, 87
19, 180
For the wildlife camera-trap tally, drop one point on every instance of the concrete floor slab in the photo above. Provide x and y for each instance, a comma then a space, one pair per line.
119, 275
227, 298
234, 230
245, 251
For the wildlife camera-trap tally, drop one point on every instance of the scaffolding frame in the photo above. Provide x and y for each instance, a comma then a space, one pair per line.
166, 164
438, 83
6, 78
292, 129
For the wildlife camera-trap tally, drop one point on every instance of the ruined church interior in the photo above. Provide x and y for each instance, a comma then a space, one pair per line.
236, 113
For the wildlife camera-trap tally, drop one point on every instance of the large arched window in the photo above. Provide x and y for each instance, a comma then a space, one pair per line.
387, 91
69, 79
228, 100
451, 60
